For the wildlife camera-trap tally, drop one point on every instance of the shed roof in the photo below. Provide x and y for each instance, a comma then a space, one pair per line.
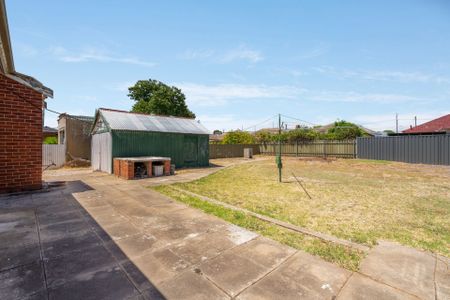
122, 120
441, 124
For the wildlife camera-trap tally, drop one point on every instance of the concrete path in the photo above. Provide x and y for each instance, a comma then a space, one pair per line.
106, 238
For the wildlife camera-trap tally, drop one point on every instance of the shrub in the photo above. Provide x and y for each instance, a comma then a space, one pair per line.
238, 137
51, 140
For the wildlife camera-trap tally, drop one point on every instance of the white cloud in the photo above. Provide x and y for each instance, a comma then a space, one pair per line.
242, 53
95, 55
320, 50
384, 75
27, 50
351, 96
230, 122
387, 121
123, 86
191, 54
221, 94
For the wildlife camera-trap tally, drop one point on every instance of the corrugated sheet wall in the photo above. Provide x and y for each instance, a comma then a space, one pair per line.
101, 149
424, 149
185, 150
53, 156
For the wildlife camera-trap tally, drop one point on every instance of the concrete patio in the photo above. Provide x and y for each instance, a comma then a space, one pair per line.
99, 237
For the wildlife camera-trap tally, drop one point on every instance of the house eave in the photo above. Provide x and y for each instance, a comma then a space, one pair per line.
7, 60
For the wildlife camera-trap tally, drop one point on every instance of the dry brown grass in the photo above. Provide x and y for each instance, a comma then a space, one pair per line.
358, 200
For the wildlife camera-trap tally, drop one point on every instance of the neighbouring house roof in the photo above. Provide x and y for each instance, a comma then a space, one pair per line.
47, 129
441, 124
7, 61
216, 137
123, 120
77, 117
272, 130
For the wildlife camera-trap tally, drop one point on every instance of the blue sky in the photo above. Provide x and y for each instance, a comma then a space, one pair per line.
241, 62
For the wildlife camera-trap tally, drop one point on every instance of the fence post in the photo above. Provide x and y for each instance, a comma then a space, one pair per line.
296, 149
325, 148
354, 147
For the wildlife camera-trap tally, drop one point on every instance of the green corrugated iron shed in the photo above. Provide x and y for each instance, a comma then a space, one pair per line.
123, 134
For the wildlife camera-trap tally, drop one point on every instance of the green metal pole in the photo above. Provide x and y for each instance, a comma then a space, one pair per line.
279, 147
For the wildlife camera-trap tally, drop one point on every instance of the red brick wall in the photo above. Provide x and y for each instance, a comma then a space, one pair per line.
20, 137
124, 169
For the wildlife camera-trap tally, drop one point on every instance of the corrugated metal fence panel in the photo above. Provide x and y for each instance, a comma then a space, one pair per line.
53, 156
424, 149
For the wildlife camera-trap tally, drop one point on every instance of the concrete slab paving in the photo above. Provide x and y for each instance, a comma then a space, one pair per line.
18, 255
254, 260
107, 283
197, 248
19, 237
147, 246
137, 245
63, 230
70, 245
22, 282
121, 230
302, 276
63, 269
160, 265
402, 267
442, 278
46, 219
360, 287
192, 285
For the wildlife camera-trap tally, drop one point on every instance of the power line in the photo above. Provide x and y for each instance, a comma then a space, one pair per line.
260, 123
300, 120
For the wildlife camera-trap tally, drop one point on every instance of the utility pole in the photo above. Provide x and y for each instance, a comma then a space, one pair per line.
396, 123
278, 157
415, 121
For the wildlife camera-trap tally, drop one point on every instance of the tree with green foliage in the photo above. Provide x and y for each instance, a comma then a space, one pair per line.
154, 97
50, 140
283, 137
302, 135
263, 137
343, 130
238, 137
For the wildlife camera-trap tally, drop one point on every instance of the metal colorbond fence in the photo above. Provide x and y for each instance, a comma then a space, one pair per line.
315, 148
424, 149
53, 156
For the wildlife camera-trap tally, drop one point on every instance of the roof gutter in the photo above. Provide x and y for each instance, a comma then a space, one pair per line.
6, 57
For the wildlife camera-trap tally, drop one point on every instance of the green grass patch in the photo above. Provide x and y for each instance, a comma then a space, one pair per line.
347, 258
357, 200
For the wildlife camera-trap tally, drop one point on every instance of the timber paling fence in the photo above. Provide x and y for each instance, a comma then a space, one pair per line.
423, 149
322, 148
230, 150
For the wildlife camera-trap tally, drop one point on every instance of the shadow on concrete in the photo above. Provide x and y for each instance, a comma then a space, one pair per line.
52, 248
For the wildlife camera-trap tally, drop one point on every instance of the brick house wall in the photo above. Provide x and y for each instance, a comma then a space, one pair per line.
20, 137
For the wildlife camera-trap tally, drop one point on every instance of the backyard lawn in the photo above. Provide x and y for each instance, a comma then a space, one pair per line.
358, 200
